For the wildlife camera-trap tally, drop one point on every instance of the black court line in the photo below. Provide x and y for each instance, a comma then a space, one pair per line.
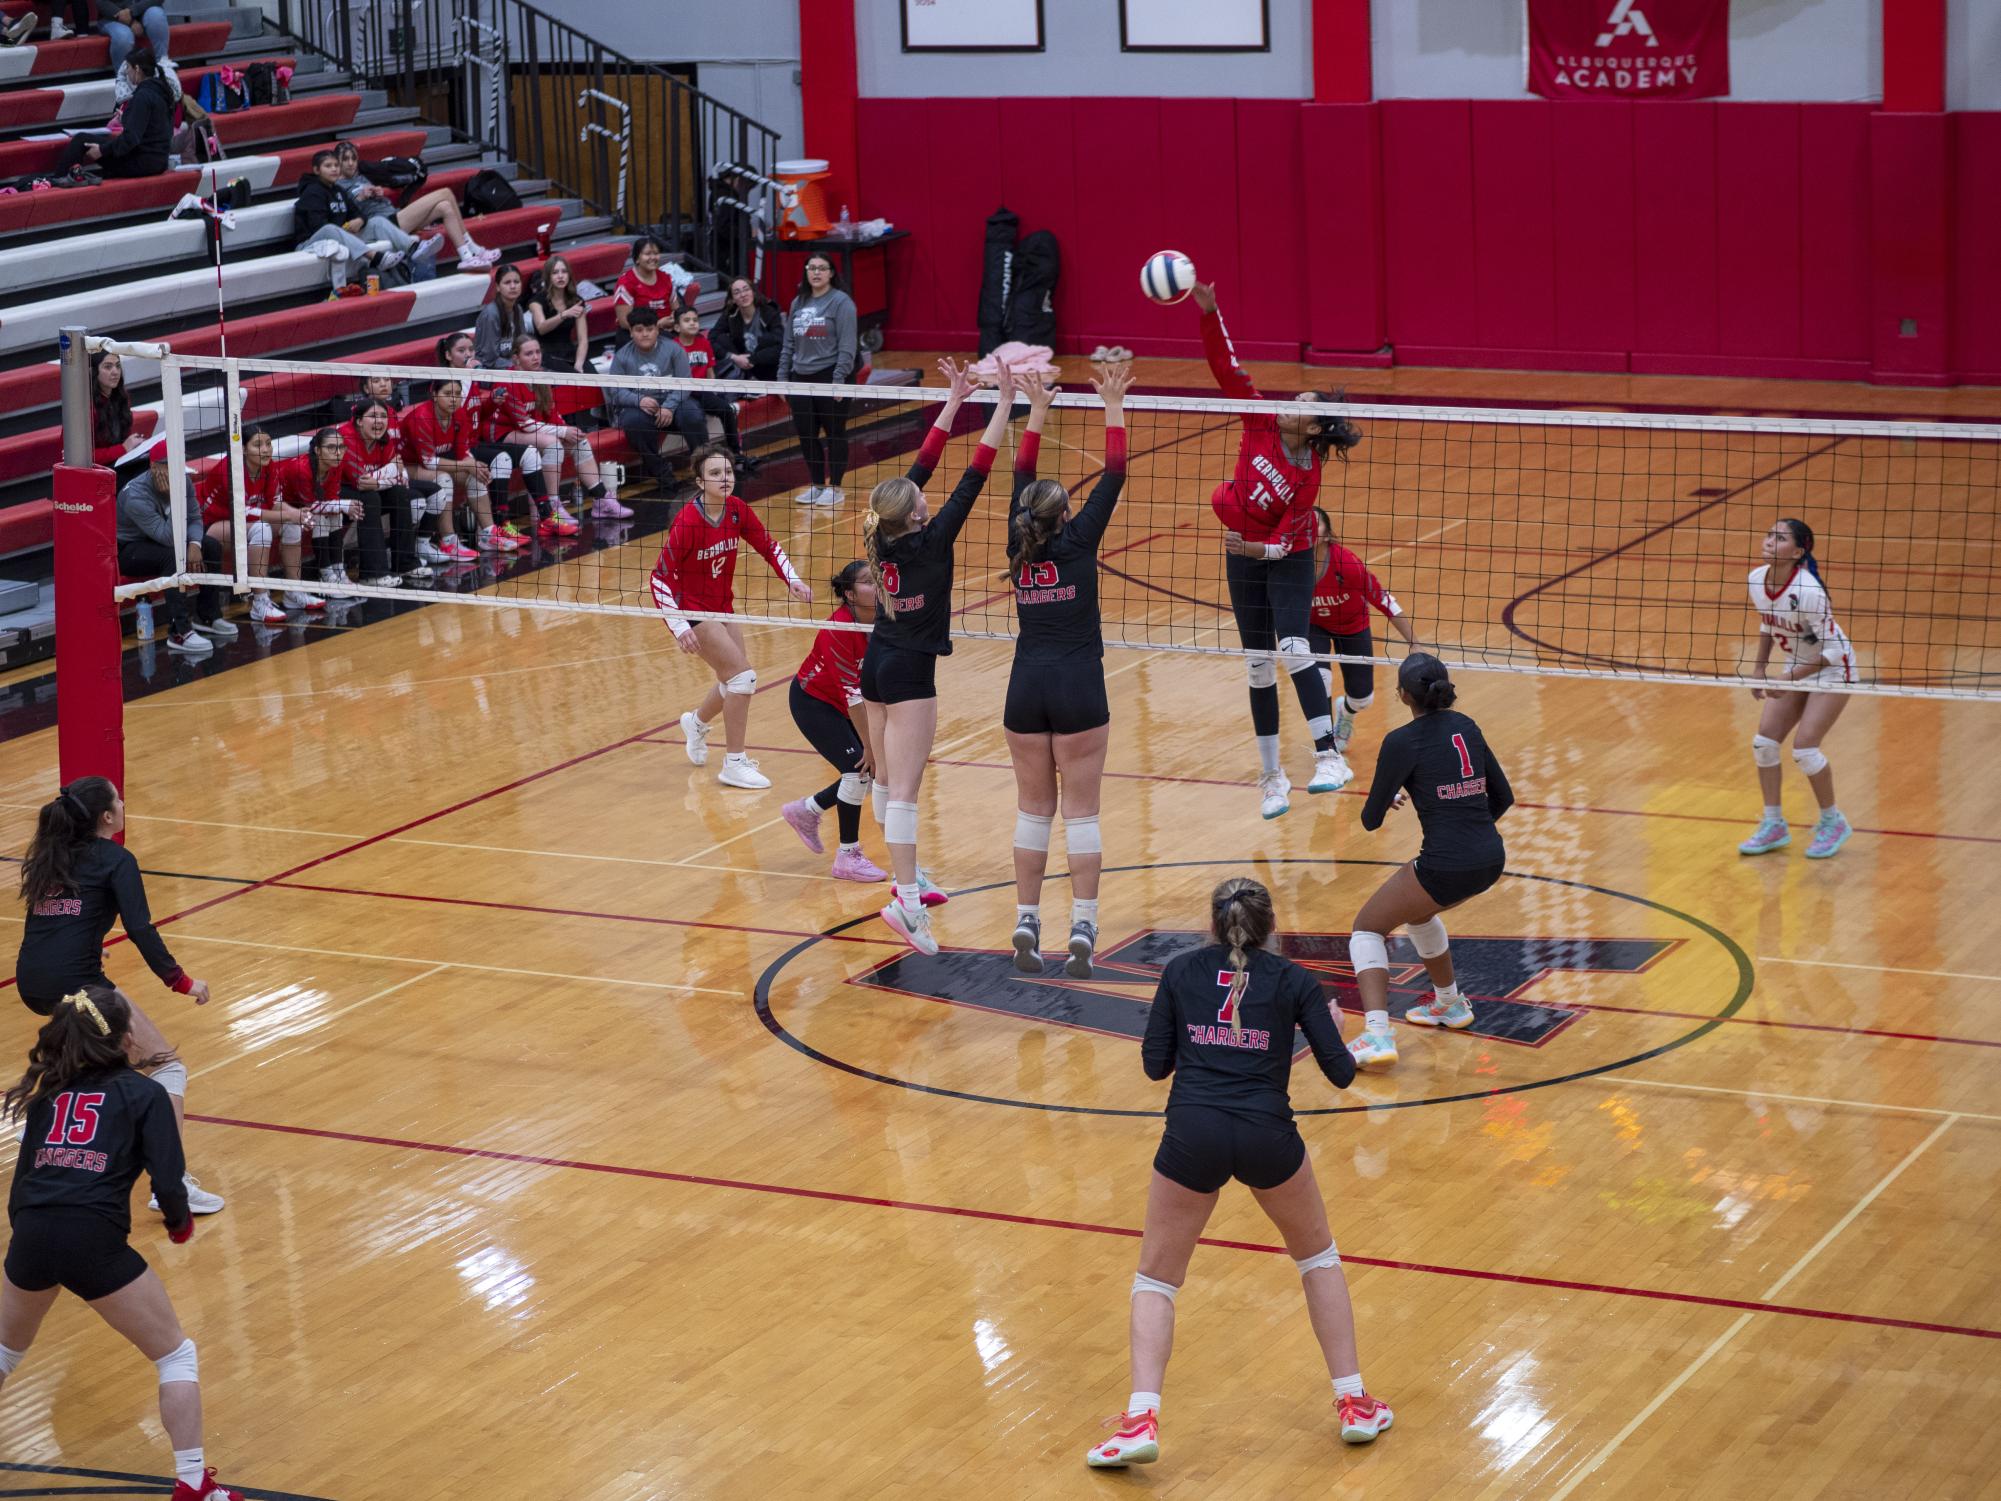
128, 1484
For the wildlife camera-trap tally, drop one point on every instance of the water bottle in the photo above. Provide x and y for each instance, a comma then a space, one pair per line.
844, 227
143, 630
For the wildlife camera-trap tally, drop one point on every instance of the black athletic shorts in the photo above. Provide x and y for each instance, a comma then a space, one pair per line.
827, 729
75, 1248
1202, 1149
892, 674
1449, 888
1065, 697
42, 997
1358, 679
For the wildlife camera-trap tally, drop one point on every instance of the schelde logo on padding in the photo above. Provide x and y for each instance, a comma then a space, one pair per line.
1627, 19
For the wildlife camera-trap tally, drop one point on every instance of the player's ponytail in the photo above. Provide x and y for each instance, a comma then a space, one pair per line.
891, 502
1334, 435
1423, 680
1802, 535
84, 1035
1037, 521
1240, 915
62, 830
843, 583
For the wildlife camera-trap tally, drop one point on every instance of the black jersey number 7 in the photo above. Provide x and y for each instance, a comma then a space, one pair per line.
76, 1119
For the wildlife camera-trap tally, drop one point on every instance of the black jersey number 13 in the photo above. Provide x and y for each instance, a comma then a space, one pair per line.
76, 1119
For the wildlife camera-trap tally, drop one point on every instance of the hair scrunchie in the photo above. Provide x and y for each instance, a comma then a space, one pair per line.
82, 1002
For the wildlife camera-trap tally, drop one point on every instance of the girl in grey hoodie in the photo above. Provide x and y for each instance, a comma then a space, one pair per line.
822, 344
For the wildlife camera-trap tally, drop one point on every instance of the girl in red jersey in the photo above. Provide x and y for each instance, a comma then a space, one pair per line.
826, 692
310, 482
437, 449
372, 472
262, 510
697, 572
1266, 508
528, 415
644, 284
456, 352
1347, 591
702, 366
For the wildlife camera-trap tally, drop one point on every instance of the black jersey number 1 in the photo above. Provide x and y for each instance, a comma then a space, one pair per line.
1465, 760
76, 1119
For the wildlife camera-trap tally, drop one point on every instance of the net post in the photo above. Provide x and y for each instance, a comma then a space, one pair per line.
90, 730
239, 526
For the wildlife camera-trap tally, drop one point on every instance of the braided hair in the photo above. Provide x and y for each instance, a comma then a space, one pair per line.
1240, 915
893, 500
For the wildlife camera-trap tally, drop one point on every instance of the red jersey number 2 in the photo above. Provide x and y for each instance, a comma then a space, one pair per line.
890, 579
76, 1119
1465, 760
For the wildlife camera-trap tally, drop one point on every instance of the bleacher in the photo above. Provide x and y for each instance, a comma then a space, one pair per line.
108, 257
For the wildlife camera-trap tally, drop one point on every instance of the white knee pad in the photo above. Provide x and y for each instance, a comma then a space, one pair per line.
1367, 951
10, 1360
1262, 669
181, 1365
440, 500
172, 1077
853, 788
502, 467
1809, 759
1329, 1257
1357, 705
260, 534
531, 460
1428, 938
1082, 837
1764, 750
878, 797
899, 824
1145, 1284
743, 684
1031, 831
1296, 652
291, 533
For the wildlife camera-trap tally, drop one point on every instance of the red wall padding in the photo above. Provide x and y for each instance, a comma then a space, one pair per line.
1597, 246
1976, 210
1428, 248
1339, 145
1758, 188
1834, 240
1910, 171
1514, 225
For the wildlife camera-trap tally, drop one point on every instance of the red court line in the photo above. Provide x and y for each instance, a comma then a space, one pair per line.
1085, 1227
1149, 776
665, 922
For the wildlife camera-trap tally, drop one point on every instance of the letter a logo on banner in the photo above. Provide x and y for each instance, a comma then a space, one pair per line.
1626, 20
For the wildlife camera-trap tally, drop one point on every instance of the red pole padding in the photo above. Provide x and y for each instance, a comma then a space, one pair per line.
90, 710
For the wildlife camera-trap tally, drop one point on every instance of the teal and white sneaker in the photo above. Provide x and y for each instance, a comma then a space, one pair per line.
1373, 1049
1829, 835
1455, 1017
1331, 772
1772, 835
928, 891
1274, 793
1344, 723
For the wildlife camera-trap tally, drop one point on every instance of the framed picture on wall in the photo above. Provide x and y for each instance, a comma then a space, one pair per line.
1195, 25
972, 25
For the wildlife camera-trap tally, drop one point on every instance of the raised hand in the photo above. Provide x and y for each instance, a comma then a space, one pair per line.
1204, 293
959, 380
1040, 387
1112, 383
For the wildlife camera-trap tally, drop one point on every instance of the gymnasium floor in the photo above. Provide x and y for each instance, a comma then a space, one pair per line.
582, 1137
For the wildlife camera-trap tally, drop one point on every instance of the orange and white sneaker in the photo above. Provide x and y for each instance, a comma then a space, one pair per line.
1137, 1441
210, 1490
1362, 1418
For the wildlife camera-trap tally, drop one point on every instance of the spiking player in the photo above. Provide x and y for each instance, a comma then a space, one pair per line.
1347, 591
1267, 508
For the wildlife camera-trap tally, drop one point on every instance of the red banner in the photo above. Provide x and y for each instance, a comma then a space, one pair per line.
1629, 49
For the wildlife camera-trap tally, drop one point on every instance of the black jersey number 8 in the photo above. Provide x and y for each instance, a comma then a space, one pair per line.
76, 1119
890, 580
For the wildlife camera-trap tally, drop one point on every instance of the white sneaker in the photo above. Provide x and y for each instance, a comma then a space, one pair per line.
222, 630
830, 495
741, 771
200, 1200
1275, 788
810, 496
59, 29
422, 573
382, 581
1374, 1050
913, 928
429, 552
390, 259
1331, 772
190, 644
295, 599
697, 735
264, 612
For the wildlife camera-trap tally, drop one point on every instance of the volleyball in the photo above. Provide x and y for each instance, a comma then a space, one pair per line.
1167, 276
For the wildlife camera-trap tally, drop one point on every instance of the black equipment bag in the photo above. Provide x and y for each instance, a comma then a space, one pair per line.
489, 193
1031, 305
996, 278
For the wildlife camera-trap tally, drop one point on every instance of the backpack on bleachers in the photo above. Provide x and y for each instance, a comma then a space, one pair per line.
489, 193
219, 96
263, 85
399, 174
194, 144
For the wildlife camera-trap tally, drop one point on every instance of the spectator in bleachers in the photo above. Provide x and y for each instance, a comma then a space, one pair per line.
646, 283
148, 548
747, 334
325, 215
559, 317
413, 218
311, 482
146, 126
646, 417
437, 446
372, 472
455, 352
702, 366
118, 23
822, 345
23, 26
267, 519
111, 434
501, 322
530, 414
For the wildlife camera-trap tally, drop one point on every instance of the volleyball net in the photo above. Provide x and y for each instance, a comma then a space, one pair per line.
1560, 543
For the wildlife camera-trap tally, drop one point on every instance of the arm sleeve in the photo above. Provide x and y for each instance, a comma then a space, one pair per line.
1097, 512
129, 892
952, 515
1156, 1050
1323, 1033
160, 1147
621, 398
921, 467
1026, 453
785, 347
847, 339
770, 551
1222, 357
1393, 765
1500, 796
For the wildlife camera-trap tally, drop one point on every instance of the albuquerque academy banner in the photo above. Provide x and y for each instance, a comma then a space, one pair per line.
1629, 49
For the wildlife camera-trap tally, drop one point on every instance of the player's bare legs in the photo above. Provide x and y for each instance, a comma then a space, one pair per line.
1035, 800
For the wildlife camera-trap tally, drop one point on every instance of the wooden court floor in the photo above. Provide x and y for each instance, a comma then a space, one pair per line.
582, 1137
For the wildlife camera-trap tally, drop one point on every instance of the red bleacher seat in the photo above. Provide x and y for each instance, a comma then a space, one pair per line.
271, 122
44, 106
92, 54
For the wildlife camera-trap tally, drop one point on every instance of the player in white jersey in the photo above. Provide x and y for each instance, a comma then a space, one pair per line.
1796, 615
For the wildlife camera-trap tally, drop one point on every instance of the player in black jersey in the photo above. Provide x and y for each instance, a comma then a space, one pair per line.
1057, 719
93, 1124
1223, 1023
911, 553
1441, 763
77, 880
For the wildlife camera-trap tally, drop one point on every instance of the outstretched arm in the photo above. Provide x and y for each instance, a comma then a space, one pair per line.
1041, 390
1097, 512
959, 385
1218, 350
